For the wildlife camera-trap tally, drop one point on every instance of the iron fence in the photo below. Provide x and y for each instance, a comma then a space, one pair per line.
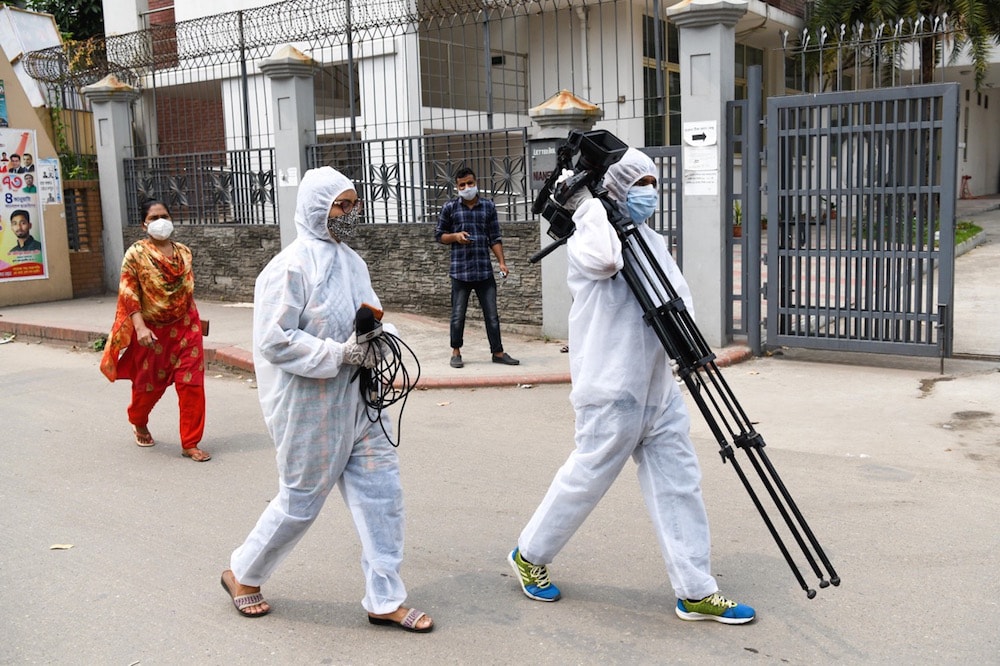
409, 179
906, 51
393, 71
233, 187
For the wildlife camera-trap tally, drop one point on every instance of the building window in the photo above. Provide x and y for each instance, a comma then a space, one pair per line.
795, 80
746, 57
332, 90
661, 82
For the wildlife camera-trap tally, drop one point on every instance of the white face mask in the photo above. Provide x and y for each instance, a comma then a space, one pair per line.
469, 193
160, 229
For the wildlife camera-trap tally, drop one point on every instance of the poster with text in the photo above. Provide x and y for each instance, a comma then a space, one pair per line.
3, 105
22, 242
48, 181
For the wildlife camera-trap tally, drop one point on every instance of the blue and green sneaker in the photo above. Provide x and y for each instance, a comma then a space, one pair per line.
715, 607
534, 578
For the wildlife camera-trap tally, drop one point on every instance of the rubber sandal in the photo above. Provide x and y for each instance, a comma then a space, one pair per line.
205, 457
408, 623
143, 440
244, 601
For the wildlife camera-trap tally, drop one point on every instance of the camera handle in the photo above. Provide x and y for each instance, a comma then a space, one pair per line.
665, 312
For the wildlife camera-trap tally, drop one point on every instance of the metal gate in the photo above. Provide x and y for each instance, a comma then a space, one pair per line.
861, 204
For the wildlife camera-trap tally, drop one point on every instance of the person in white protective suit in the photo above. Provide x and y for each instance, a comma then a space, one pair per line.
305, 351
627, 404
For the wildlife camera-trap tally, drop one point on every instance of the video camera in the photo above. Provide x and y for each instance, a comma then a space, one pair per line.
598, 150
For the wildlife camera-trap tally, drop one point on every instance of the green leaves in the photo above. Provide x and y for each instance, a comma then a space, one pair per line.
76, 19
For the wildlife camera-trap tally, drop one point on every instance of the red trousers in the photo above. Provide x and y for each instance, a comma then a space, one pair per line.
190, 400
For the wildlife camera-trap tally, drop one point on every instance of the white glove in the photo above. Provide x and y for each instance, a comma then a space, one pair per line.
675, 368
360, 354
578, 198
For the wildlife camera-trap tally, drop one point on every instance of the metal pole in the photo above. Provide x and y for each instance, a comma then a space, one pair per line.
488, 63
350, 71
658, 49
244, 83
751, 210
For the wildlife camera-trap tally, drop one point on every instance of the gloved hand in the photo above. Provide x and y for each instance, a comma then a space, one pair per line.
360, 354
675, 368
578, 198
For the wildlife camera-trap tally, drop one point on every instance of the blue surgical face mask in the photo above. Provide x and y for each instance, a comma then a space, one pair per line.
641, 202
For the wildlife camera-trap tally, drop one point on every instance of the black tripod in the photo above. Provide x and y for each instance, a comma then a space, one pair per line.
666, 313
664, 310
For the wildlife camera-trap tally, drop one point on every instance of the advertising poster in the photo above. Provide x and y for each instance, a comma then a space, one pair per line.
22, 242
48, 181
3, 105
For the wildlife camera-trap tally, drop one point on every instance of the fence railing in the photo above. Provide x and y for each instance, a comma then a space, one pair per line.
231, 187
859, 56
409, 179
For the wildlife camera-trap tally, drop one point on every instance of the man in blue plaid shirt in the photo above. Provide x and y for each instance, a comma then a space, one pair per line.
469, 224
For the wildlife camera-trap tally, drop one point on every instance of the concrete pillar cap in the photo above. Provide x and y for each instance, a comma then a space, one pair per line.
110, 88
565, 103
562, 112
703, 13
286, 62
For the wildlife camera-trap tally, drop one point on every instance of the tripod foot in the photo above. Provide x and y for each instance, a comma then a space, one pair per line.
823, 584
835, 580
810, 593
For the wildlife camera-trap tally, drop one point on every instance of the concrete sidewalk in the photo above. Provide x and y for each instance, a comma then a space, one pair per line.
83, 320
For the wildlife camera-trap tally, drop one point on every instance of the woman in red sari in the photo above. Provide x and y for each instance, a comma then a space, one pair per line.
156, 337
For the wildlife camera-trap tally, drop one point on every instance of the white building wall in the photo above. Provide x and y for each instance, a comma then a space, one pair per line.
979, 141
122, 16
185, 10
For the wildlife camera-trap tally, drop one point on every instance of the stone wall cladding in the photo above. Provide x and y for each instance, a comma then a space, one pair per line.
409, 269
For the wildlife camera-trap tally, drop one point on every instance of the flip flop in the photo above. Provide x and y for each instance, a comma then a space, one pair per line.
408, 623
143, 440
204, 457
244, 601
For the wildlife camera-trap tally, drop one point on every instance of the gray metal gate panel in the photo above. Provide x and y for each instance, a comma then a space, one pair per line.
668, 220
861, 195
743, 252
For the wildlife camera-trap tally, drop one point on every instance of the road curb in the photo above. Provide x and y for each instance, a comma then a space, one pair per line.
240, 359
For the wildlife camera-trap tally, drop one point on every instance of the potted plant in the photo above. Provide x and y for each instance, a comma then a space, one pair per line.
737, 219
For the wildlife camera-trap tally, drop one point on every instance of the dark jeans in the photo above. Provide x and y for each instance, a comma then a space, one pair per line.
486, 292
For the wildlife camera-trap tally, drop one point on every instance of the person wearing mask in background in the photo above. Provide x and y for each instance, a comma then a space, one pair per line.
305, 352
156, 339
627, 404
469, 224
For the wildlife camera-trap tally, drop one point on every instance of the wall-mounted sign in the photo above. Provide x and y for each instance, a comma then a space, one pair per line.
700, 133
542, 160
3, 105
22, 236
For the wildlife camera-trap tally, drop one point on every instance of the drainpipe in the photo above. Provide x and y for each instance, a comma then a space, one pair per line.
582, 12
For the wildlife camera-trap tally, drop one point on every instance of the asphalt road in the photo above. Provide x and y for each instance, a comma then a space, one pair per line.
895, 467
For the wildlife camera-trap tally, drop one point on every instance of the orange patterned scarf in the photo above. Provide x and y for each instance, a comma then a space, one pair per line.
162, 289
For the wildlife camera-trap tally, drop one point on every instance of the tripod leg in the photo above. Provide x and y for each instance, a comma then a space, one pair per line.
665, 312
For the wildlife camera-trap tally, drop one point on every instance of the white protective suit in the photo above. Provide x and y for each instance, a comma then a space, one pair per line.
626, 401
305, 302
